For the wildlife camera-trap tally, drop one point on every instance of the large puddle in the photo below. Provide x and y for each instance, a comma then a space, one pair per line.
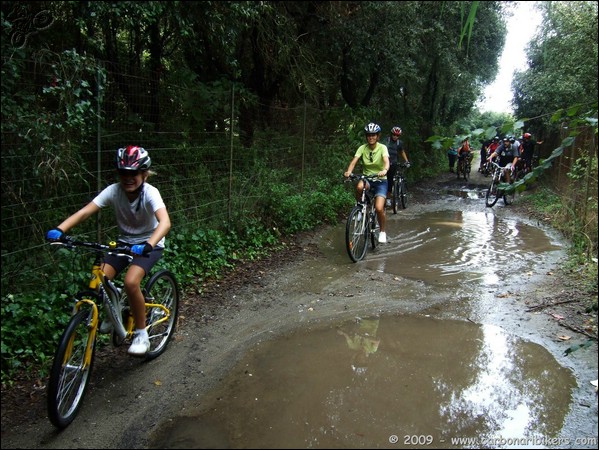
400, 380
390, 382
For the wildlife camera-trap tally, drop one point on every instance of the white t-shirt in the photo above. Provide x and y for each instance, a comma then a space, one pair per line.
136, 220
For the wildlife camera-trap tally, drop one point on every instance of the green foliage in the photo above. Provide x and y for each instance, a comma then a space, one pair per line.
31, 327
563, 64
559, 211
292, 211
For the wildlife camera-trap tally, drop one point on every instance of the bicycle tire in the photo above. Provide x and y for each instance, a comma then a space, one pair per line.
396, 197
374, 229
161, 289
356, 233
403, 194
492, 193
69, 375
467, 170
508, 199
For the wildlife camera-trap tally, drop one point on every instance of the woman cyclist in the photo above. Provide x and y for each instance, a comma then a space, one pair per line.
375, 161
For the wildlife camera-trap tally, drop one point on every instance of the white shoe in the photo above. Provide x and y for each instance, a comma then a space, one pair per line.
140, 345
388, 203
382, 237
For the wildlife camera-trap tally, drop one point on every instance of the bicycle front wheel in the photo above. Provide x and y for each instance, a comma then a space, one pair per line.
71, 370
162, 311
492, 193
356, 233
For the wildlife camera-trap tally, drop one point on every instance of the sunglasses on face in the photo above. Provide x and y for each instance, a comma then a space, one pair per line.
128, 173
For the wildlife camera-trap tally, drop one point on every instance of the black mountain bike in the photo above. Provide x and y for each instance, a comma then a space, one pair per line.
362, 223
400, 188
464, 166
494, 192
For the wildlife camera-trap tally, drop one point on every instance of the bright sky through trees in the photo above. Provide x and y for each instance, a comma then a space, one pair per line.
521, 28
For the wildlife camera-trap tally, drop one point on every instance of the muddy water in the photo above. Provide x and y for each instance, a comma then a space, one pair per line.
364, 383
423, 381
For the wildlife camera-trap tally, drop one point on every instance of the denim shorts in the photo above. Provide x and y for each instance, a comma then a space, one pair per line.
378, 188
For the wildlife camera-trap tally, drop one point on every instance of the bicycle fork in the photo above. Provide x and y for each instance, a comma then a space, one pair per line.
93, 326
362, 217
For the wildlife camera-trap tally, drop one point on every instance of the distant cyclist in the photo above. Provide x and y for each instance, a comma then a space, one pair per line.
484, 149
464, 151
395, 147
528, 150
375, 162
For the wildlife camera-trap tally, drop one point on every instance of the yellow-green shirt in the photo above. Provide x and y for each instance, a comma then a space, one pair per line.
372, 160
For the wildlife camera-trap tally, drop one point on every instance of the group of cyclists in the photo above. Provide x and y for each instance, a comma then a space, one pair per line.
514, 154
382, 161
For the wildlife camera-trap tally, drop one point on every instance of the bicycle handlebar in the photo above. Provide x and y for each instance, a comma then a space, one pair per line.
353, 176
111, 248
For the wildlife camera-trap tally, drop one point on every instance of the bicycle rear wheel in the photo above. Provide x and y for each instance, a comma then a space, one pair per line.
508, 199
356, 233
396, 198
375, 229
70, 372
162, 292
403, 193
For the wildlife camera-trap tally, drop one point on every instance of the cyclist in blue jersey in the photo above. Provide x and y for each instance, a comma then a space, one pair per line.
395, 147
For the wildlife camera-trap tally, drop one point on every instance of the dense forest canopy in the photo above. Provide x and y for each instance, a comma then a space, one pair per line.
410, 61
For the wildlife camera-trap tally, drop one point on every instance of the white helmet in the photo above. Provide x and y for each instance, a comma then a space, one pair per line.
372, 128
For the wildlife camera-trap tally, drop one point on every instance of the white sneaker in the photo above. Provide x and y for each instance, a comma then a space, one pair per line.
382, 237
140, 344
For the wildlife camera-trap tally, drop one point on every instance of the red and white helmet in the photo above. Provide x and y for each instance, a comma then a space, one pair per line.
527, 135
396, 131
133, 158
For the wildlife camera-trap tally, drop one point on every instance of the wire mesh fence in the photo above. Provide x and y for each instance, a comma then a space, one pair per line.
207, 174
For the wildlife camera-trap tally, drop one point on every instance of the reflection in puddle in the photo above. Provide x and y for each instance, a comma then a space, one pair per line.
449, 246
355, 384
467, 193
